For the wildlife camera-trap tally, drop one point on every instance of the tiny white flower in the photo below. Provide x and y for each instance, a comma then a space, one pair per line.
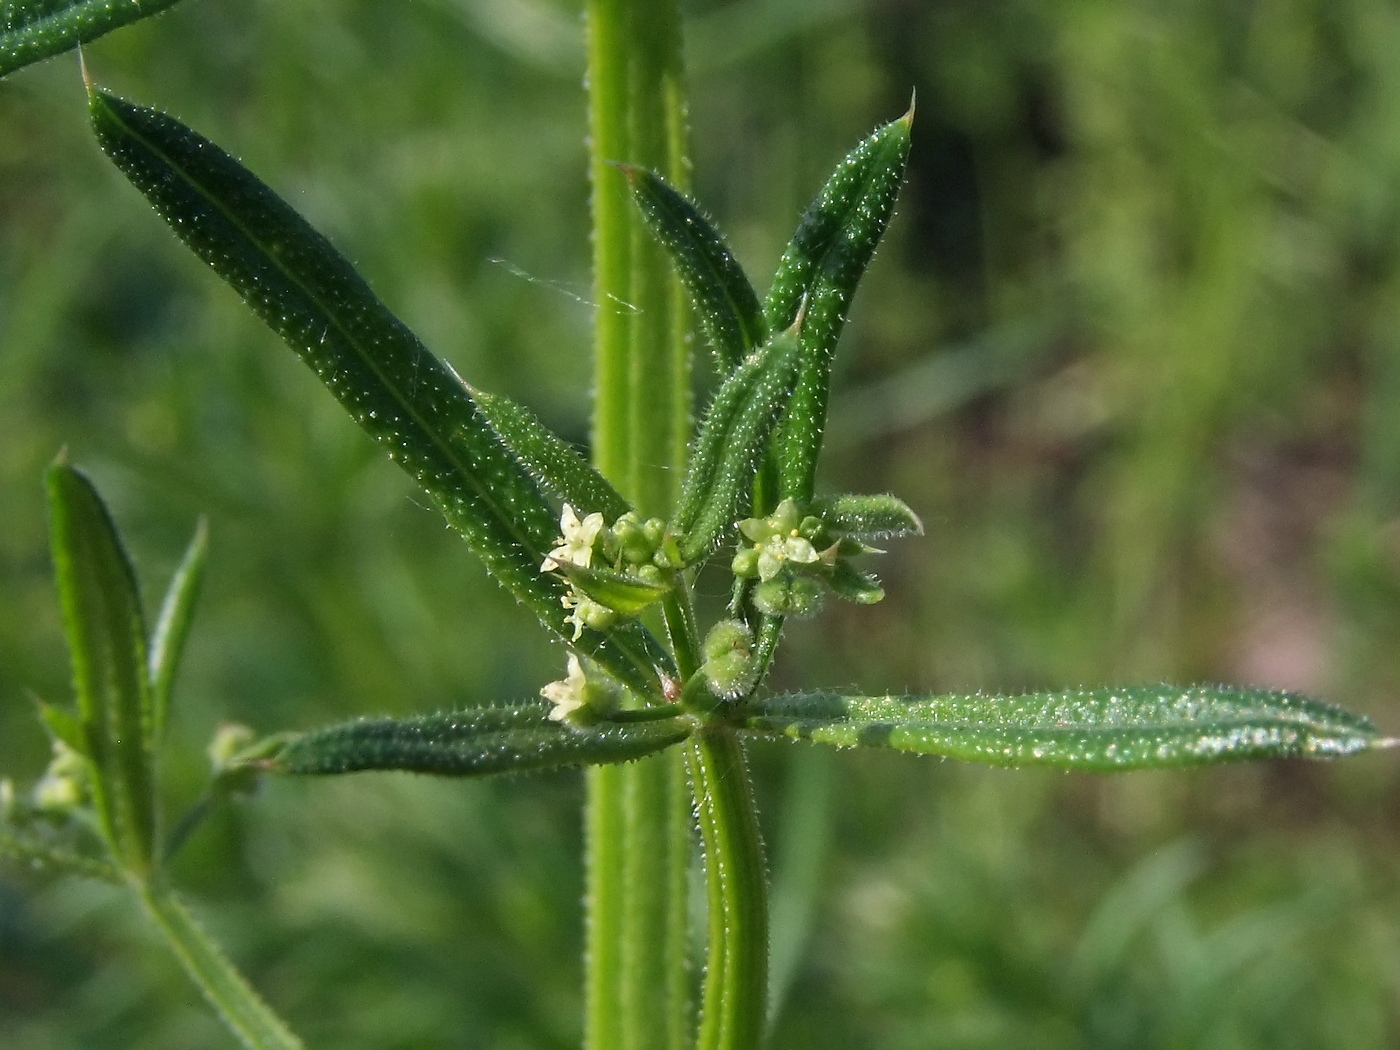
567, 695
576, 540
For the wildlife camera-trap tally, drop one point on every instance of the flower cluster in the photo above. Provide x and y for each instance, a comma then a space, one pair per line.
795, 556
614, 571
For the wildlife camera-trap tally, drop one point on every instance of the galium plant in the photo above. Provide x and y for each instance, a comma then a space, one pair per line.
657, 693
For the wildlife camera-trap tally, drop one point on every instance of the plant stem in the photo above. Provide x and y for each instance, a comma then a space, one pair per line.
637, 821
736, 966
242, 1010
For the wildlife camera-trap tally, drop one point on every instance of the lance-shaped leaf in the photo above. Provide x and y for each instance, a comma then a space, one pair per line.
107, 643
173, 627
731, 443
473, 742
1087, 729
867, 517
410, 402
551, 461
31, 30
719, 290
817, 277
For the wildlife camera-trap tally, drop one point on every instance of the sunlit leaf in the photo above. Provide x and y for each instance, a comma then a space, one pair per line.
1089, 729
413, 404
554, 464
719, 291
732, 440
817, 277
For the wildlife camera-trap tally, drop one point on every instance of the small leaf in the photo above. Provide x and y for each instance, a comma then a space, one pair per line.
31, 30
719, 290
473, 742
854, 585
554, 464
816, 279
622, 592
731, 444
411, 403
28, 851
1086, 729
107, 643
173, 626
868, 517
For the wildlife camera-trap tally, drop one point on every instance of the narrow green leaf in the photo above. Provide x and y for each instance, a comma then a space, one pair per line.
554, 464
27, 851
250, 1019
867, 517
173, 626
717, 285
473, 742
107, 643
816, 279
31, 30
414, 405
1087, 729
731, 444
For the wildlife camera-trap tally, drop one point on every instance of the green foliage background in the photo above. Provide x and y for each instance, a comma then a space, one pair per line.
1132, 349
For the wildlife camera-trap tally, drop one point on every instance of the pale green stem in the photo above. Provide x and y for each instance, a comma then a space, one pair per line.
736, 966
637, 822
231, 996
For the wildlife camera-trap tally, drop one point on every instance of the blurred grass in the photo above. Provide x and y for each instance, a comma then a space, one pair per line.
1132, 350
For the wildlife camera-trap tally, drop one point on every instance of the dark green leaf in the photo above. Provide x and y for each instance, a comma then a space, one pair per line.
867, 517
31, 30
173, 626
731, 444
107, 643
719, 290
473, 742
1089, 729
817, 277
551, 461
410, 402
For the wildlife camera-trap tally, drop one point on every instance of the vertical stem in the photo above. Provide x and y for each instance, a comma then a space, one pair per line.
736, 965
637, 821
256, 1026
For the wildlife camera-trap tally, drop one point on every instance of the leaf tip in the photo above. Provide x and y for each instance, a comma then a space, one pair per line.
908, 119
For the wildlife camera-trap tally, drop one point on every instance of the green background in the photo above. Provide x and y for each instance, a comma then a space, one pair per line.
1131, 349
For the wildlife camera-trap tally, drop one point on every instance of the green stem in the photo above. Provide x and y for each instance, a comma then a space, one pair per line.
240, 1007
736, 966
637, 821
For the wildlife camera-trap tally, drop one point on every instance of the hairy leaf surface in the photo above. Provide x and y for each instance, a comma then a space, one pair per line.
31, 30
473, 742
1089, 729
719, 290
410, 402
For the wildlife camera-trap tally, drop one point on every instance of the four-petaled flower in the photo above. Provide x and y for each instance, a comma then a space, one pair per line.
576, 540
567, 695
